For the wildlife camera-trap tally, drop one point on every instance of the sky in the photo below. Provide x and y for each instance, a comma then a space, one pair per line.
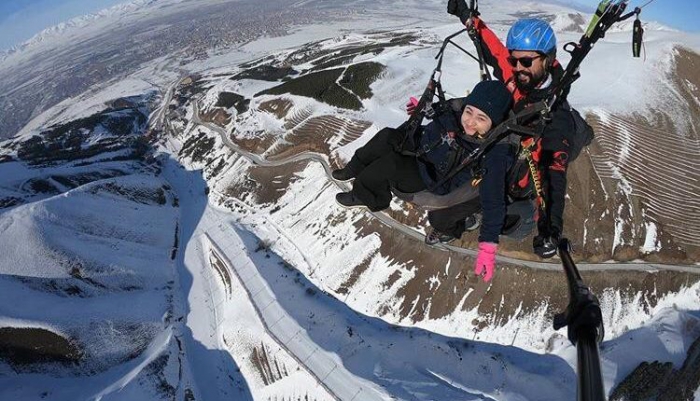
678, 14
22, 19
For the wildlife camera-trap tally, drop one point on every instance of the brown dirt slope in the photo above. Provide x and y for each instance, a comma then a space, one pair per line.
315, 134
653, 158
516, 287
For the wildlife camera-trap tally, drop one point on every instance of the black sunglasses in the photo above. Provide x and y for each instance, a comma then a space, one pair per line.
524, 61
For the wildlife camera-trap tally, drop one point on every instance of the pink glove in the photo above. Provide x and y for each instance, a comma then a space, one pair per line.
486, 260
411, 106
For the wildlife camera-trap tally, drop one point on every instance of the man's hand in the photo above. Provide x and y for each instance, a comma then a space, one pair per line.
460, 9
545, 246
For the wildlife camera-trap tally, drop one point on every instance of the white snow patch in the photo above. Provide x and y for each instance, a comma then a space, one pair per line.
651, 242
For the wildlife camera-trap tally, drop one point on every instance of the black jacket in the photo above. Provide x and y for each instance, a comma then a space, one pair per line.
553, 157
555, 143
451, 151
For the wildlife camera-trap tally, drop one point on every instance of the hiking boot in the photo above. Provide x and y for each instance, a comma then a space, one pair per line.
349, 200
343, 174
472, 222
436, 236
511, 224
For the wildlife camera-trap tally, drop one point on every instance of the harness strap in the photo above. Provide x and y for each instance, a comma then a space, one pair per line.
502, 130
473, 34
424, 108
423, 150
534, 173
412, 126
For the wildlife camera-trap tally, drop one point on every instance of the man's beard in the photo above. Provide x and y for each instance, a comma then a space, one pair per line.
530, 85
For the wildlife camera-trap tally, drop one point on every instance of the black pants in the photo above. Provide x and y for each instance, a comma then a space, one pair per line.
379, 167
451, 220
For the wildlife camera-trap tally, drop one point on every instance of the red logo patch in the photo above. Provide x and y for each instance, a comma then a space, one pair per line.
561, 159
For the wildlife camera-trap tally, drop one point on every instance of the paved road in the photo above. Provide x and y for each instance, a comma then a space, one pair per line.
324, 365
387, 220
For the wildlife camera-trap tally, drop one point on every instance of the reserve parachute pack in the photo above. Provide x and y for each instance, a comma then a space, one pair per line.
583, 134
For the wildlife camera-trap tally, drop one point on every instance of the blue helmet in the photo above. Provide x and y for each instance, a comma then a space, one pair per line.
533, 35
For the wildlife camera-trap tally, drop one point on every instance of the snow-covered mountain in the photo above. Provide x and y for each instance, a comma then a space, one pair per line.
182, 242
50, 34
69, 59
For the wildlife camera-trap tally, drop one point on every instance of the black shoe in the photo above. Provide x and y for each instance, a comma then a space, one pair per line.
343, 174
436, 236
511, 224
349, 200
472, 222
544, 247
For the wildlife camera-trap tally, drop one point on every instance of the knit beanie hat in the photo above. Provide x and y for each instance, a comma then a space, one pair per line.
491, 97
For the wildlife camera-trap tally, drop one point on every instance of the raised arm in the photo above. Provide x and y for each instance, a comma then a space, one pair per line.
495, 53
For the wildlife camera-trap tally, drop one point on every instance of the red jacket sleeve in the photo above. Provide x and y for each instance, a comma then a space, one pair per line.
496, 56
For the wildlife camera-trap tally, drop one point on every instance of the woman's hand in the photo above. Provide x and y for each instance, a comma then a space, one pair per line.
486, 260
411, 106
